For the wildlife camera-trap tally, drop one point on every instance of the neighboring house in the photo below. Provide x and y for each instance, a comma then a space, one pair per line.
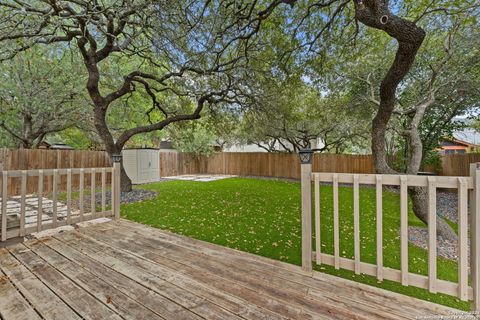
468, 135
316, 144
454, 146
244, 148
166, 145
54, 146
463, 141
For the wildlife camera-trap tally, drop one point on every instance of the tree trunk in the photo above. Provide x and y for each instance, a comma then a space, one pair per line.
125, 181
377, 15
419, 196
110, 146
25, 144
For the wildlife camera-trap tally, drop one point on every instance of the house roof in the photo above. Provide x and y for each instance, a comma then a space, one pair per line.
56, 145
166, 145
469, 136
461, 142
61, 146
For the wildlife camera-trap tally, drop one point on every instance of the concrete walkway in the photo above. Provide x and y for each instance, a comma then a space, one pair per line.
199, 177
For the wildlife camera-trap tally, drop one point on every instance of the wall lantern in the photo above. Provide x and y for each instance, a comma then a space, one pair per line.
116, 158
306, 156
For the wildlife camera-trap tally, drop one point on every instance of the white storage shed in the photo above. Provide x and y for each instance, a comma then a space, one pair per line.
142, 165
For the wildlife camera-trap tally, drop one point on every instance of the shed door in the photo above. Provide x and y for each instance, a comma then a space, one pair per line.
148, 165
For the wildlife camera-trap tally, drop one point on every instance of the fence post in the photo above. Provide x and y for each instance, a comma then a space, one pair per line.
474, 201
116, 187
4, 193
306, 184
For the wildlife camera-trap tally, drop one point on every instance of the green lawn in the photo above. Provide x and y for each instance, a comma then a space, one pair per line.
263, 217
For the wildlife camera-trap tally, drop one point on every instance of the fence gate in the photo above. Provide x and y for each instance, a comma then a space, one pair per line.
468, 190
36, 200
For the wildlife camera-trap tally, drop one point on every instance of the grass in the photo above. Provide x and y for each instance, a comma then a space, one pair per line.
263, 217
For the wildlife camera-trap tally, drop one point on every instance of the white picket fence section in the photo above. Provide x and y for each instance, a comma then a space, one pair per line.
26, 213
468, 189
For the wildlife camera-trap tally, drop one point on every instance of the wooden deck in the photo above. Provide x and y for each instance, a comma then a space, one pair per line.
124, 270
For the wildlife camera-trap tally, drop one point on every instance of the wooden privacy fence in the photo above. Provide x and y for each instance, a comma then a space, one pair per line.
25, 159
235, 163
458, 164
468, 189
281, 165
26, 213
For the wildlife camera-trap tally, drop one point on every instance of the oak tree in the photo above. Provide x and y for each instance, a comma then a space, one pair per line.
188, 50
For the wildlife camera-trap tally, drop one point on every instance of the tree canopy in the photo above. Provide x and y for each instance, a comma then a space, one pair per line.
181, 55
37, 97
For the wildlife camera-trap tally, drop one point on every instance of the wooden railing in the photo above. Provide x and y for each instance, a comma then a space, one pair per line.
25, 213
468, 189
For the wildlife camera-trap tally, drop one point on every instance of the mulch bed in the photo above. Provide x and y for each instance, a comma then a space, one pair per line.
136, 195
419, 237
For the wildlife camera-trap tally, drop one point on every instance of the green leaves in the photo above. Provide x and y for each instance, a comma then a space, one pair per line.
42, 93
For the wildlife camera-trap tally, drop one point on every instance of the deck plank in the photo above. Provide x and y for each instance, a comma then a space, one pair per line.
268, 285
81, 301
142, 270
157, 303
228, 302
125, 270
47, 304
176, 293
13, 305
285, 291
358, 303
276, 275
116, 300
407, 305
